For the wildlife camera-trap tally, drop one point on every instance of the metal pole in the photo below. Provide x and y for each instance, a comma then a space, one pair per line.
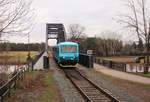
46, 46
29, 55
28, 44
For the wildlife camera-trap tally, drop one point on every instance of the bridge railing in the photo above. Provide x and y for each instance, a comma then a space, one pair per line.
111, 64
5, 90
86, 60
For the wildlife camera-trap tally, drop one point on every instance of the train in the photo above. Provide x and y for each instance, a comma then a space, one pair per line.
66, 54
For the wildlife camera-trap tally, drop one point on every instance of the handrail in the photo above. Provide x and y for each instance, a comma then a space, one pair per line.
6, 88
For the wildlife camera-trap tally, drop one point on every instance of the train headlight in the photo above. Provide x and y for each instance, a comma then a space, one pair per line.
63, 57
73, 58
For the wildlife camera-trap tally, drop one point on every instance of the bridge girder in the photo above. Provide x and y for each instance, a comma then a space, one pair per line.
55, 31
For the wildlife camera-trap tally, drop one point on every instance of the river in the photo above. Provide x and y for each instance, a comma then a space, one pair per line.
9, 68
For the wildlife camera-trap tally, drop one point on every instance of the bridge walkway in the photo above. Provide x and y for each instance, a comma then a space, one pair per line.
121, 75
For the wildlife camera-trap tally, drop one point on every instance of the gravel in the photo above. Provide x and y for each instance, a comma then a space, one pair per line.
67, 90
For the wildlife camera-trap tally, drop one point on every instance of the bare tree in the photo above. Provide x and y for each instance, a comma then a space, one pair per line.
139, 21
15, 17
111, 42
76, 31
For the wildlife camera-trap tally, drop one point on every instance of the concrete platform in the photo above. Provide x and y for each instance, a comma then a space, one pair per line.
121, 75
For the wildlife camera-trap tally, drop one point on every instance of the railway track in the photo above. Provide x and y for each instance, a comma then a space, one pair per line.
90, 91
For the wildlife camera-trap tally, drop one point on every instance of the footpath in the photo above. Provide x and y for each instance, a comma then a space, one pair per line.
121, 75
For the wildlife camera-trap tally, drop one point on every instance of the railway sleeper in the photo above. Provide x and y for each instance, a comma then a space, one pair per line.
99, 98
87, 87
92, 91
92, 88
96, 95
101, 101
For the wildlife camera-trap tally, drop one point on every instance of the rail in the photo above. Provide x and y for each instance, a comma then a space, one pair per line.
5, 90
89, 90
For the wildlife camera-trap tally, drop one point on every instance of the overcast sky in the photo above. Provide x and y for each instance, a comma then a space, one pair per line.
95, 15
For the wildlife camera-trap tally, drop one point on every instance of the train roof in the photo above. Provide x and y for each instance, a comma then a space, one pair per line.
67, 43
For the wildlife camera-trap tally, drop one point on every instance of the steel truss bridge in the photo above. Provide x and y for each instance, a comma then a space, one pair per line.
55, 31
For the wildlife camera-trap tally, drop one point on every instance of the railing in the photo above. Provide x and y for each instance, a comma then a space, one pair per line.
125, 67
5, 90
132, 54
111, 64
86, 60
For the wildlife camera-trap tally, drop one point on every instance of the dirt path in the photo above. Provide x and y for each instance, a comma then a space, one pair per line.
122, 75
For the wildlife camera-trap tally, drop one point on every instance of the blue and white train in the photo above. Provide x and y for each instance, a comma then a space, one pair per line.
67, 54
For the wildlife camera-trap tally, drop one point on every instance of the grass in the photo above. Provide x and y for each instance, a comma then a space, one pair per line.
38, 86
50, 94
15, 57
32, 74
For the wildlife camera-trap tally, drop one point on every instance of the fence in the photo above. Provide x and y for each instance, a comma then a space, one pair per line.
86, 60
126, 67
5, 90
111, 64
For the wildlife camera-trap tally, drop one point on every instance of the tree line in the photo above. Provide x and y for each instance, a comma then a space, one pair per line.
101, 46
110, 47
22, 47
109, 44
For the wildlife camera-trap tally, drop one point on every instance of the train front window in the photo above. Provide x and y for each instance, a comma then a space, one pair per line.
68, 49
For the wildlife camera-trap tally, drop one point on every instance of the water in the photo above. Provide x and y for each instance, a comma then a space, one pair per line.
8, 68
